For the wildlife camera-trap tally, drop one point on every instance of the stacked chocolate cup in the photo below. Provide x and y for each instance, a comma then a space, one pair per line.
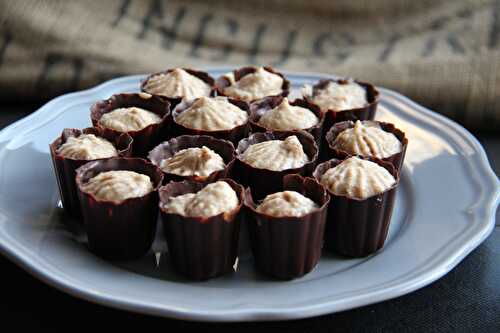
211, 157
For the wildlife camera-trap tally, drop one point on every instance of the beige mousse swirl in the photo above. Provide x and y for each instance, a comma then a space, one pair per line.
367, 139
286, 203
254, 86
286, 117
129, 119
177, 83
276, 155
193, 162
213, 199
338, 97
87, 147
357, 178
118, 185
212, 114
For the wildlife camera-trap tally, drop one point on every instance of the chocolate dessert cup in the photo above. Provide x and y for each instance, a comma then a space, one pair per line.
146, 138
266, 104
174, 100
396, 159
169, 148
65, 168
201, 247
354, 227
288, 247
233, 135
265, 181
365, 113
222, 82
120, 230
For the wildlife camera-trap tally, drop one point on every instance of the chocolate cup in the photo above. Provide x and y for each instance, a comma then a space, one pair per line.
146, 138
365, 113
201, 247
358, 228
169, 148
396, 159
120, 230
260, 107
288, 247
234, 135
65, 168
174, 100
222, 82
264, 181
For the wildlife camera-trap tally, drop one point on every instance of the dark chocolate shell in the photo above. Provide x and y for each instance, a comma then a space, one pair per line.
169, 148
222, 82
146, 138
288, 247
264, 181
120, 230
259, 107
365, 113
65, 168
358, 228
174, 100
233, 135
396, 159
201, 247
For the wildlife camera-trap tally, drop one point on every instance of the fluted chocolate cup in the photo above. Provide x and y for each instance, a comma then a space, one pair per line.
260, 107
288, 247
120, 230
223, 82
169, 148
354, 227
396, 159
174, 100
65, 168
265, 181
365, 113
146, 138
201, 248
233, 135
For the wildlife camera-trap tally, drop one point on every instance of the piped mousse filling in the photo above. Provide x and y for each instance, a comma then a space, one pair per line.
276, 155
286, 203
118, 185
213, 199
357, 178
87, 147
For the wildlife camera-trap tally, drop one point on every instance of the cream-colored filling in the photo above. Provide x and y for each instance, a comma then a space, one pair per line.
367, 139
177, 83
118, 185
128, 119
357, 178
213, 199
193, 162
254, 86
276, 155
286, 117
339, 97
287, 203
212, 114
87, 147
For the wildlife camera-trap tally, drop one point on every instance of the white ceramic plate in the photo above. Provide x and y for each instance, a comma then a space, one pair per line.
445, 208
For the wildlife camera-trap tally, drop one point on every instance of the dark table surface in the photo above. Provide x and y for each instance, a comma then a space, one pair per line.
466, 299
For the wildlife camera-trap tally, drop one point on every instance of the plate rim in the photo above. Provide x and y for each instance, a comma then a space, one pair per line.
486, 210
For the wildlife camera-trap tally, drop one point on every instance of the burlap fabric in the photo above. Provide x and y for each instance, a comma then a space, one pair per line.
443, 54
